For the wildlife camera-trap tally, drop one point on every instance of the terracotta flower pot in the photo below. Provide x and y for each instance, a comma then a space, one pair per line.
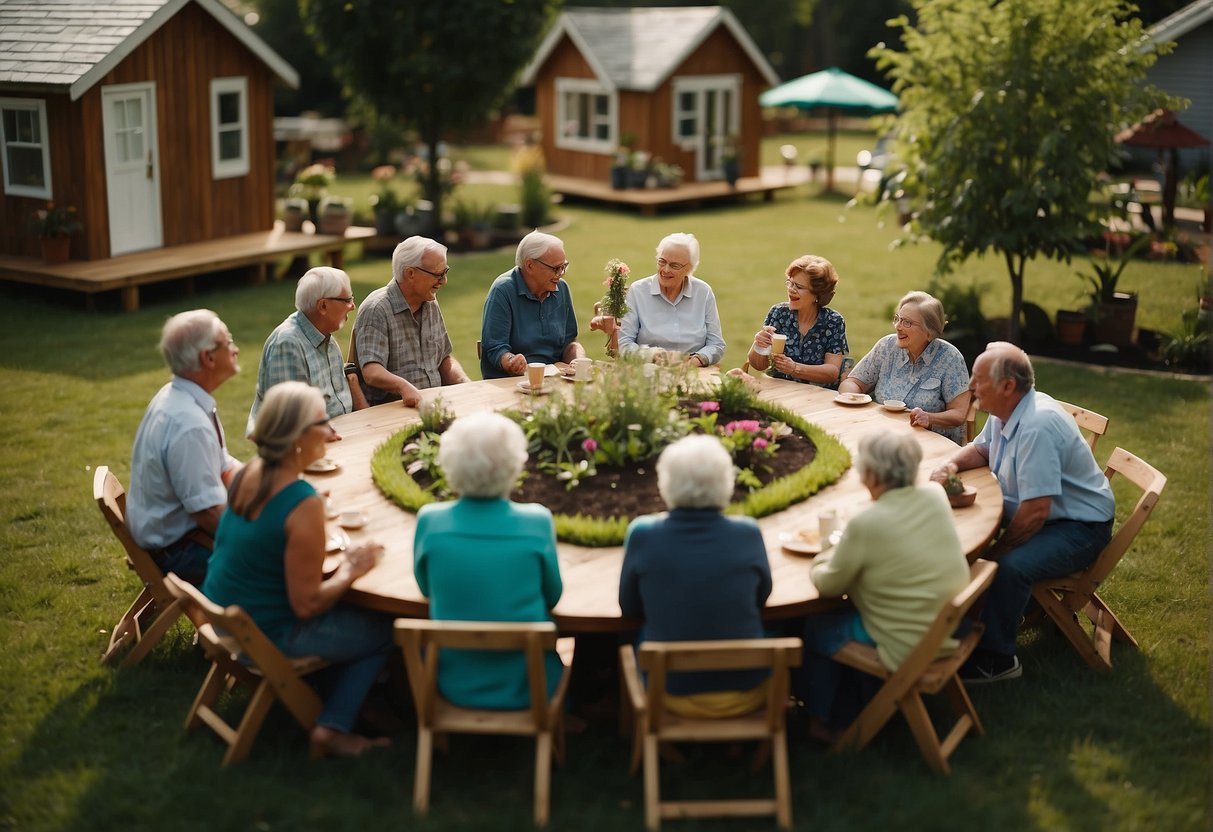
56, 249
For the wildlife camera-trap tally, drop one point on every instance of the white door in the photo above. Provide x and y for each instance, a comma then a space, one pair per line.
132, 169
706, 119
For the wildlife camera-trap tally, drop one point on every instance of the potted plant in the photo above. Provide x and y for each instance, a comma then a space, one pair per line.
730, 158
294, 211
619, 168
614, 304
312, 183
336, 214
386, 203
640, 169
1113, 313
55, 226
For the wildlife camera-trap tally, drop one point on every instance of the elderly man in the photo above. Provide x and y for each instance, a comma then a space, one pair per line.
1057, 504
180, 466
528, 313
400, 344
302, 347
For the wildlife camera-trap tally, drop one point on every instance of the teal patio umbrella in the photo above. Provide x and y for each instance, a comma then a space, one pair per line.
836, 91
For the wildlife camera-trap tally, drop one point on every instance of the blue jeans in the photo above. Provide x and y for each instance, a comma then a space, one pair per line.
1060, 548
187, 558
358, 643
834, 692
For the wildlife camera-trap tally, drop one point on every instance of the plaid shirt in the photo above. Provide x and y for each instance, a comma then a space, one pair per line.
297, 351
412, 346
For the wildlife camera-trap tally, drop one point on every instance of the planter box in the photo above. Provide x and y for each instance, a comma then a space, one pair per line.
1116, 320
1071, 326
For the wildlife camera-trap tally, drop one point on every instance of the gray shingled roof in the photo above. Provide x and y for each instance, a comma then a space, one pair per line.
638, 49
56, 44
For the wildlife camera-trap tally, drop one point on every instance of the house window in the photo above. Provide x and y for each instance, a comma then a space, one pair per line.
27, 156
585, 116
229, 127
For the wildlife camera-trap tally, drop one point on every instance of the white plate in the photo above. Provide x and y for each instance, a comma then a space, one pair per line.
576, 380
336, 541
852, 398
793, 542
524, 386
351, 523
894, 407
322, 466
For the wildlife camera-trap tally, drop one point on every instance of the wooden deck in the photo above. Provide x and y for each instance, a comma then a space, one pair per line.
688, 196
126, 273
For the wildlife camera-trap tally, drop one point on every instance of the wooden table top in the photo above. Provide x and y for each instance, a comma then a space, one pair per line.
591, 575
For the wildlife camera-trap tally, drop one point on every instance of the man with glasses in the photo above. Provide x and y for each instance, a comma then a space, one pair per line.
528, 313
400, 345
302, 347
180, 465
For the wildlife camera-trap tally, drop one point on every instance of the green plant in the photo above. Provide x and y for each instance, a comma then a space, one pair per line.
1105, 275
55, 221
312, 183
536, 199
338, 203
953, 485
386, 200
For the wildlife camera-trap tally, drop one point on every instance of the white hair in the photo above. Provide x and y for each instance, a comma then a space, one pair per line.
186, 335
410, 253
482, 455
695, 472
892, 458
931, 310
535, 245
318, 283
1009, 361
687, 241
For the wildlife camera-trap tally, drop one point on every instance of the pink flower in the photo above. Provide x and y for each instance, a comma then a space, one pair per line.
760, 444
709, 407
770, 432
589, 446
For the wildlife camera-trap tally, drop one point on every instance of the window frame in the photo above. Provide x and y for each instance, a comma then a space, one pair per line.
36, 105
588, 87
239, 166
698, 85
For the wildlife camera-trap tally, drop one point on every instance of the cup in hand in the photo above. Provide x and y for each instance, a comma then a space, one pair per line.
534, 374
778, 342
581, 368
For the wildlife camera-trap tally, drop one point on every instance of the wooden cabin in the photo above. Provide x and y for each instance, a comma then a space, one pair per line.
152, 118
684, 82
1187, 72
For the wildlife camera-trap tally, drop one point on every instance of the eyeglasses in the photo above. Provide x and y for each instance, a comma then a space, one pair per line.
323, 423
796, 287
230, 343
906, 322
556, 270
662, 263
440, 275
346, 301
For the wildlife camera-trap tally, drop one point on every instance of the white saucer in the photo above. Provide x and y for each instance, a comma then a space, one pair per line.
322, 466
524, 386
852, 398
894, 406
794, 543
336, 541
351, 522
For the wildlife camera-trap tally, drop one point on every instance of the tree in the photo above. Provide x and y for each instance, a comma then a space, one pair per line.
1008, 112
437, 67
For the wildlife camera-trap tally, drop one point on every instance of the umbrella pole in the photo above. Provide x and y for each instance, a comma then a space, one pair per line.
831, 126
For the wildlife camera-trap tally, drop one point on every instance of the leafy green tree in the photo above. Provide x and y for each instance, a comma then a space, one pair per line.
436, 67
1008, 112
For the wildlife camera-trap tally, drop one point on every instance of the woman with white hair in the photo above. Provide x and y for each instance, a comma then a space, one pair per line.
269, 559
672, 310
695, 574
916, 366
899, 562
485, 558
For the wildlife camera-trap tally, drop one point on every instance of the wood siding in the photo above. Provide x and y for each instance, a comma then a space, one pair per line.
1188, 72
182, 58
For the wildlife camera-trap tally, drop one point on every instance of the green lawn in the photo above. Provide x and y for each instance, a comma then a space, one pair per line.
84, 747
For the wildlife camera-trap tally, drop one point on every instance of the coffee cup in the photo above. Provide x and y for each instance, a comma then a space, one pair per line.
778, 342
828, 522
534, 374
581, 368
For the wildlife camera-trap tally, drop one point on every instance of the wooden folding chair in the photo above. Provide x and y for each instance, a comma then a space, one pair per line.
154, 610
421, 640
654, 724
1063, 598
921, 673
228, 634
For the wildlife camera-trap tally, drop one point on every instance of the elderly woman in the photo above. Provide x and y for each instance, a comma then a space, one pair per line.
899, 562
695, 574
269, 559
816, 335
916, 366
673, 310
485, 558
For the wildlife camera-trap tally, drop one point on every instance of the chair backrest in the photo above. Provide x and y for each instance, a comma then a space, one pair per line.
660, 658
1095, 424
981, 575
418, 639
1151, 481
111, 499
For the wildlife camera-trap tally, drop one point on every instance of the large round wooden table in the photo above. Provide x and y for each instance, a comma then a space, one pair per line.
591, 575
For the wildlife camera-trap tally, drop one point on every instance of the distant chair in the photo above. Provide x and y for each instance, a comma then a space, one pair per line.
920, 673
421, 639
1088, 420
154, 610
241, 654
1063, 598
653, 724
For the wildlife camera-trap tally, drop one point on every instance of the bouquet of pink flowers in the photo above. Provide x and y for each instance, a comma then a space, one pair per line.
614, 302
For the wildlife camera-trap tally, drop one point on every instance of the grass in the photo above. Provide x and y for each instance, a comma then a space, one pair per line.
84, 747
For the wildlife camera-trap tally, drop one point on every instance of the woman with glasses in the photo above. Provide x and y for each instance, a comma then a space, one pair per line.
916, 366
269, 559
673, 311
816, 335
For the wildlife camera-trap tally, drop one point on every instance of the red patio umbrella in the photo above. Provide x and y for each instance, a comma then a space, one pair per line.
1163, 130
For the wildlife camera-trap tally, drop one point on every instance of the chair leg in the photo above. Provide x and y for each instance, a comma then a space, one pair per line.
1119, 631
1069, 626
152, 635
962, 705
250, 724
916, 715
421, 778
870, 720
783, 787
543, 777
652, 796
128, 625
214, 684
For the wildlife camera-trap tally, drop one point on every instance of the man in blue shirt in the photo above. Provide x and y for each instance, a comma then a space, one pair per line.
1057, 504
528, 313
